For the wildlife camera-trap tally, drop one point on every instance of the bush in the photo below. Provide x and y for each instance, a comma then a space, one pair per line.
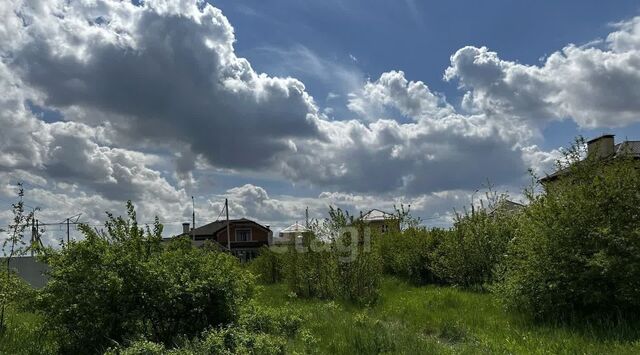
224, 341
576, 248
268, 266
359, 269
17, 292
335, 261
276, 321
408, 254
123, 284
190, 289
469, 253
310, 268
259, 330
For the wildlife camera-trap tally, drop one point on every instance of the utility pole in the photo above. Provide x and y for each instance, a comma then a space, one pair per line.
306, 216
67, 231
193, 218
37, 239
33, 233
226, 207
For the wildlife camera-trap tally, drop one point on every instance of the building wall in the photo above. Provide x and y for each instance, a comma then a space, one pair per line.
378, 226
258, 235
29, 269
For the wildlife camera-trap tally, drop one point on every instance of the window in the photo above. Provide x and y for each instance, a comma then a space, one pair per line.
384, 228
243, 235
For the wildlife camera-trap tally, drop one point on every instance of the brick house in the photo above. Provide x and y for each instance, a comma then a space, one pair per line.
246, 237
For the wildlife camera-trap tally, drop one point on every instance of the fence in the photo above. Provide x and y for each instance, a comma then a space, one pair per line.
30, 269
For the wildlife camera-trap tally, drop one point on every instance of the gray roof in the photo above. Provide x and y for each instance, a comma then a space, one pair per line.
628, 147
506, 206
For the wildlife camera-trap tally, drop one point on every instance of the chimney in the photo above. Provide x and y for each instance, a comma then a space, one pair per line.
185, 228
602, 146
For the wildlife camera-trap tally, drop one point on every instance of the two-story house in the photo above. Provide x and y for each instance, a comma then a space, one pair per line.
244, 240
380, 221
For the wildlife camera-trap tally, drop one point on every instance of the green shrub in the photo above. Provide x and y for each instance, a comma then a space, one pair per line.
17, 292
275, 321
188, 290
408, 254
359, 270
260, 330
123, 284
341, 265
468, 254
268, 266
310, 268
577, 246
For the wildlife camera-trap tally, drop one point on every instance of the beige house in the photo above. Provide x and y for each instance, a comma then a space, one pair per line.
380, 221
290, 233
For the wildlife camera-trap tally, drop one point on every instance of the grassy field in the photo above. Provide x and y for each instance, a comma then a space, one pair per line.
24, 335
439, 320
407, 320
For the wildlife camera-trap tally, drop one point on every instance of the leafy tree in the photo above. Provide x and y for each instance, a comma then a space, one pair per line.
576, 250
123, 284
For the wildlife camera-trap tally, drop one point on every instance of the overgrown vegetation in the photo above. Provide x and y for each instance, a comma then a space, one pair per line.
409, 319
260, 330
11, 289
331, 261
470, 252
122, 285
576, 250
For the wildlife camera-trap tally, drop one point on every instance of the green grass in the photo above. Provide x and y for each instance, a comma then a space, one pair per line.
407, 320
439, 320
24, 335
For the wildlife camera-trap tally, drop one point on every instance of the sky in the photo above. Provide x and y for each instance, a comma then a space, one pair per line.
285, 105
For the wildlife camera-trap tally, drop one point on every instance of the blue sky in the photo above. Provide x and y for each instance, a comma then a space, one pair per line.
283, 105
418, 37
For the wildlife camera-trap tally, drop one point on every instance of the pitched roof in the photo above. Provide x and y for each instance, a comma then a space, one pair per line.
214, 227
628, 147
506, 206
295, 228
376, 215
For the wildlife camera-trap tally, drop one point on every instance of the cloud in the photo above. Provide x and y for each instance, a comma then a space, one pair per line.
280, 211
299, 60
151, 100
437, 149
163, 71
596, 87
412, 99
